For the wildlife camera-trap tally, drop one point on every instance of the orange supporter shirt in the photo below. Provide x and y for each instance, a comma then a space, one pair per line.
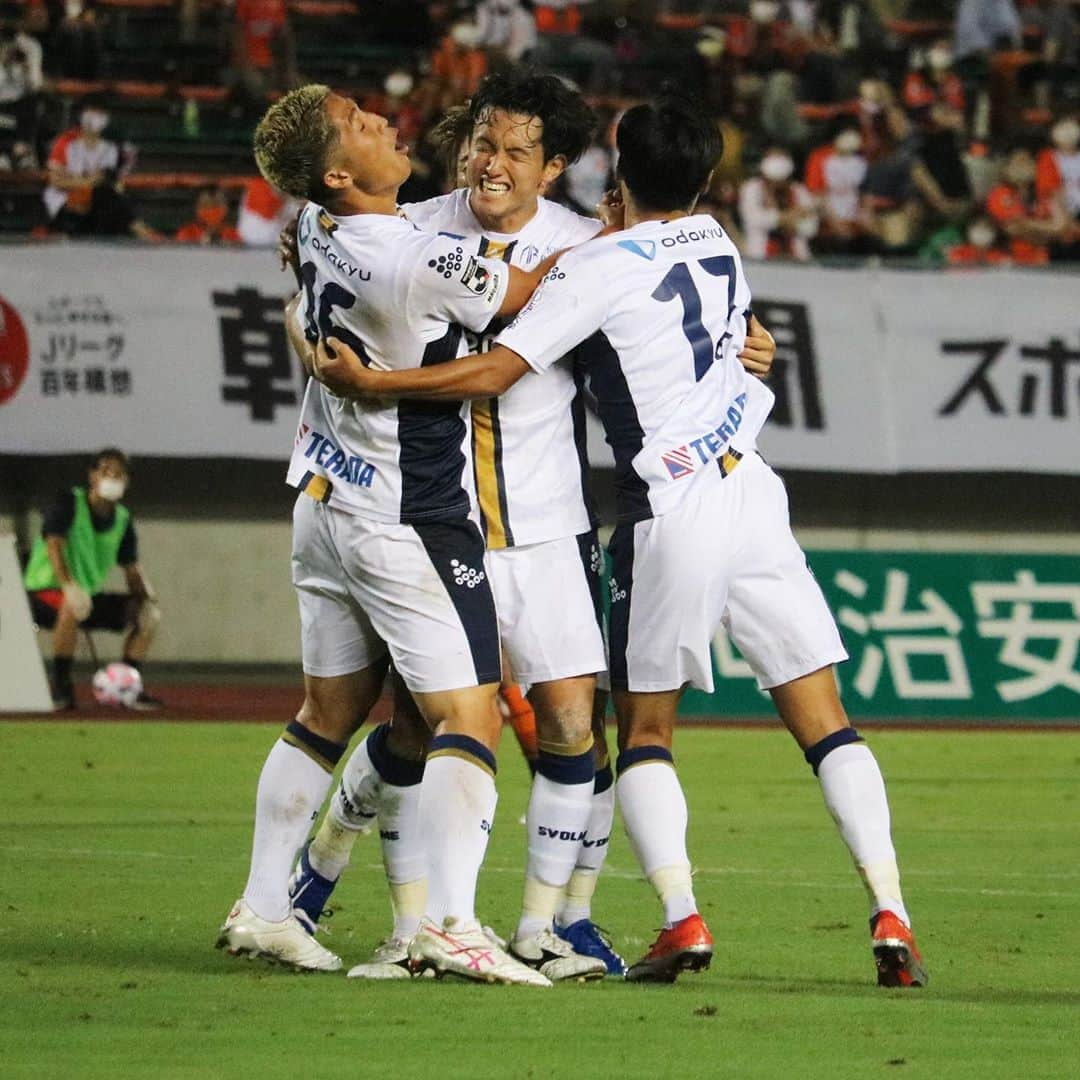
1047, 174
1005, 205
260, 20
194, 232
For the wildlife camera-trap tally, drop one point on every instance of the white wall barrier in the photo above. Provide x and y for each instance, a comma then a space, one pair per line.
183, 353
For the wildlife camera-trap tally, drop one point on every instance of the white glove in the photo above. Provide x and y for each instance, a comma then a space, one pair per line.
78, 599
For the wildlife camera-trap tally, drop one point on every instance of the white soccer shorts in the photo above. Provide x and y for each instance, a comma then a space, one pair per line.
421, 592
726, 557
549, 602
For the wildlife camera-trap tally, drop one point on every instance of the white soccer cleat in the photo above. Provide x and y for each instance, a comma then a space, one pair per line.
286, 942
389, 961
469, 953
555, 958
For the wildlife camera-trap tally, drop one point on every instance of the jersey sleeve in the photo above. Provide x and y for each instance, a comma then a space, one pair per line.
568, 307
451, 283
59, 516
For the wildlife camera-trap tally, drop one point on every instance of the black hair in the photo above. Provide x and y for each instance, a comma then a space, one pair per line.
111, 453
667, 148
568, 121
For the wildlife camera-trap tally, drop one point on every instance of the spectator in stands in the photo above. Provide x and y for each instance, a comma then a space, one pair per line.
890, 204
563, 45
76, 48
834, 174
263, 51
939, 172
264, 212
85, 533
505, 27
1031, 224
981, 25
984, 245
85, 194
20, 88
457, 65
398, 103
210, 226
937, 85
778, 213
1057, 167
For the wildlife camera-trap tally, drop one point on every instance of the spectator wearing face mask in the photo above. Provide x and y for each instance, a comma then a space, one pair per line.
76, 48
778, 213
85, 533
20, 88
84, 196
834, 174
984, 244
211, 225
561, 43
1031, 223
1057, 167
937, 85
506, 27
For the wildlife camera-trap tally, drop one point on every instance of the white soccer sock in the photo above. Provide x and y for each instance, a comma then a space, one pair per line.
457, 809
854, 792
556, 820
350, 815
577, 903
404, 857
653, 809
291, 789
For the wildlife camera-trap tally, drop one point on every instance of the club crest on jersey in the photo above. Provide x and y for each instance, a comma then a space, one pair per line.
530, 254
679, 462
645, 249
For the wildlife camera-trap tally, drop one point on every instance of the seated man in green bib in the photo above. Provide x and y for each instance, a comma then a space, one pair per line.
85, 533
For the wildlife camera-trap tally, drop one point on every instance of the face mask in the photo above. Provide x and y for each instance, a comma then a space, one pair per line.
939, 59
764, 11
73, 8
777, 167
1066, 134
847, 142
111, 489
398, 84
465, 34
870, 106
212, 216
94, 121
981, 235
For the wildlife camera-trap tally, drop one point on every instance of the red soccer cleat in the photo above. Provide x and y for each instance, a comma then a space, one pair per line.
898, 960
686, 946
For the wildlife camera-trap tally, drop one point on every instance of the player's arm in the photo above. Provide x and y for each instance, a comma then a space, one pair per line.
303, 348
759, 351
483, 375
523, 283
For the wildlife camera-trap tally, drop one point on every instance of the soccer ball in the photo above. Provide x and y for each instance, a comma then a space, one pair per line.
117, 684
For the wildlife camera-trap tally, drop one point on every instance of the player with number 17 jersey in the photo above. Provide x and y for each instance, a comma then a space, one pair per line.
400, 298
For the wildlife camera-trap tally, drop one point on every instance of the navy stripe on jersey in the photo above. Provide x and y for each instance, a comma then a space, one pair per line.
595, 569
581, 438
621, 549
432, 458
456, 550
496, 427
619, 415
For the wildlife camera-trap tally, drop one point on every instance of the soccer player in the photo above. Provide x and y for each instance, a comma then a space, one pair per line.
385, 557
86, 532
530, 470
703, 536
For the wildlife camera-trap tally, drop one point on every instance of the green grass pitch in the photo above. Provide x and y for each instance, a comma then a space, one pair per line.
124, 846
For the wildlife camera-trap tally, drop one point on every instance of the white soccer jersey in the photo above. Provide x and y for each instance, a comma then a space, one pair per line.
659, 315
396, 295
528, 445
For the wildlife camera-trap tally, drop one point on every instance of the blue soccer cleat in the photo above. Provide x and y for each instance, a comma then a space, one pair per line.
309, 891
587, 939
